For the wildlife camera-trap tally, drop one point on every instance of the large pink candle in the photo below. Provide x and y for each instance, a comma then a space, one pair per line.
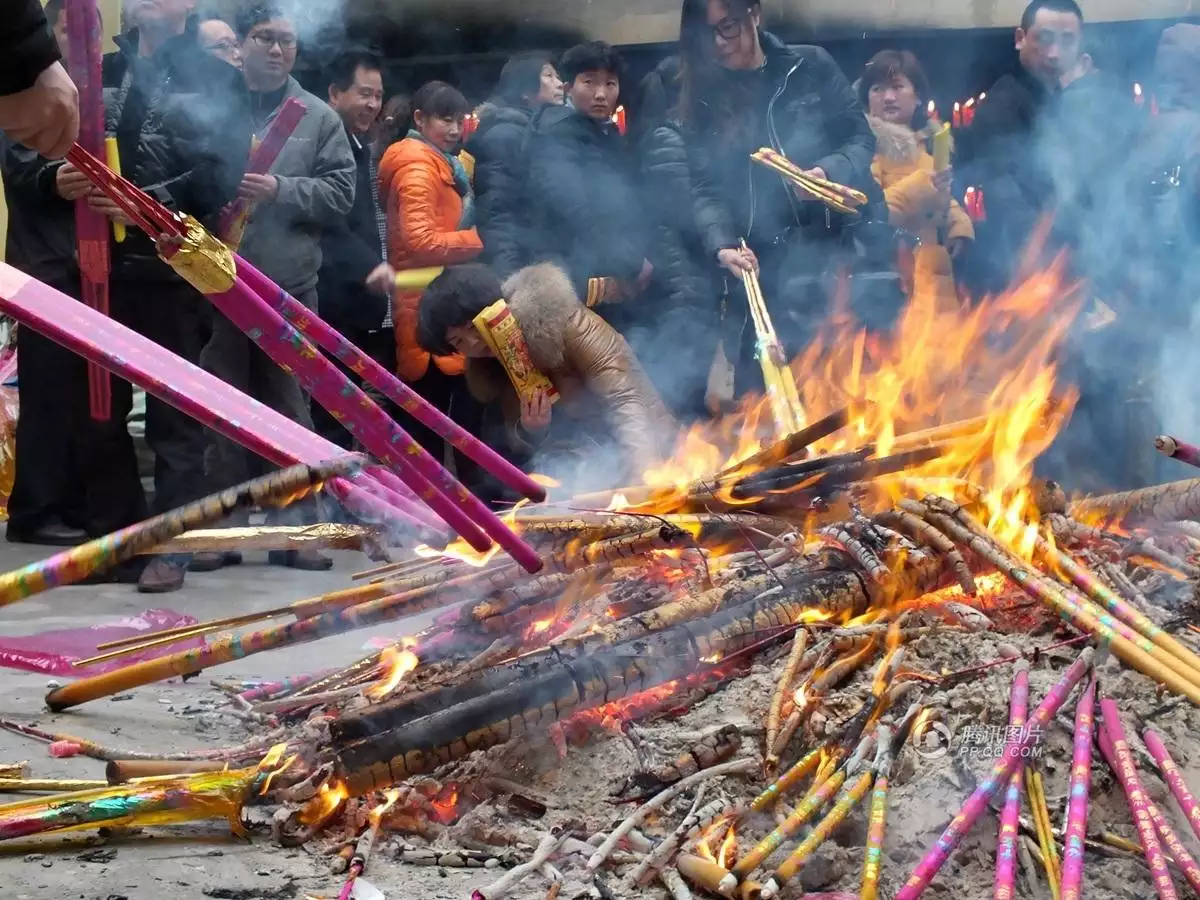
1077, 804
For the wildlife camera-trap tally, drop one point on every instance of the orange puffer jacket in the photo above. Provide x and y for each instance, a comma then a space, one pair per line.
423, 213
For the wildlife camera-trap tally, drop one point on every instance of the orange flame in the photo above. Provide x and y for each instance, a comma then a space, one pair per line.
728, 853
322, 807
445, 804
397, 663
389, 800
460, 550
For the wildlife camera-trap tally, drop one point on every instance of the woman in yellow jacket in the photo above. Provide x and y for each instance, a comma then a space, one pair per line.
426, 185
894, 91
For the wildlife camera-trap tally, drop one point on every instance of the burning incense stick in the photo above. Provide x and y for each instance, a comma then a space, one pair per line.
781, 383
1174, 779
1075, 833
1177, 449
788, 780
799, 642
156, 801
1116, 750
79, 562
977, 803
1006, 843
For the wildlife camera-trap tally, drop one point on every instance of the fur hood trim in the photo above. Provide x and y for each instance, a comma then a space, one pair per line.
543, 301
897, 143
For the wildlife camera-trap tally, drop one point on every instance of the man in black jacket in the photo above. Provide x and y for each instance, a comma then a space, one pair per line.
39, 105
355, 281
183, 130
581, 185
1004, 151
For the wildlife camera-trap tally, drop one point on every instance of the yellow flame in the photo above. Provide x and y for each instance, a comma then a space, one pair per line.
460, 550
544, 480
398, 661
328, 801
728, 852
618, 503
389, 800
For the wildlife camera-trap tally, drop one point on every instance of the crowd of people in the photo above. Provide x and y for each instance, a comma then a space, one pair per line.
617, 239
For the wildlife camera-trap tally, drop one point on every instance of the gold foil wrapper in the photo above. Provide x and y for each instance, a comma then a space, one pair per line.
268, 537
203, 261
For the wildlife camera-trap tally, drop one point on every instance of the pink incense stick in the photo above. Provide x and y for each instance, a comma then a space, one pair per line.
385, 439
185, 386
1174, 778
327, 338
1183, 858
91, 227
1001, 772
1006, 843
1177, 449
1077, 805
1113, 741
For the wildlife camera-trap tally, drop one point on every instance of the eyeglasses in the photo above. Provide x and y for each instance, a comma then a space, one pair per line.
728, 29
221, 47
267, 39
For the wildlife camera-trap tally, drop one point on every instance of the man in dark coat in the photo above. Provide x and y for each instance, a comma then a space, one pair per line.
355, 281
528, 82
1004, 152
581, 186
182, 125
39, 105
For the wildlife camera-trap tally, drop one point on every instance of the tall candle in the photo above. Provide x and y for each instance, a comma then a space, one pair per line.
956, 118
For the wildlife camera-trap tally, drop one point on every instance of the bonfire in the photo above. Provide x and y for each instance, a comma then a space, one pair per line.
781, 664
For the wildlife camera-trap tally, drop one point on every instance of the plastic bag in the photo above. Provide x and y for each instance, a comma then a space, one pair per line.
53, 652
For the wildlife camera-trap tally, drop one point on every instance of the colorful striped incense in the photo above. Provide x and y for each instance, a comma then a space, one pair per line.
1006, 843
1174, 779
876, 832
72, 565
1116, 748
787, 781
977, 803
1075, 833
809, 807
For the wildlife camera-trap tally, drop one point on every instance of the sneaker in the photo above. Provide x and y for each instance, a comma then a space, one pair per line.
161, 577
304, 560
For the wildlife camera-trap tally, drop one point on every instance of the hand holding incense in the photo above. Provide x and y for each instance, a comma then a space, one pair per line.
977, 803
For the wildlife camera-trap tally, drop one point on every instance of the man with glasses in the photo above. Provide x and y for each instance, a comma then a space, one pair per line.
218, 38
309, 189
1005, 151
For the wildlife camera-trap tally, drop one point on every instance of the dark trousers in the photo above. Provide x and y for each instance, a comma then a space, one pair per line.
233, 357
84, 472
379, 345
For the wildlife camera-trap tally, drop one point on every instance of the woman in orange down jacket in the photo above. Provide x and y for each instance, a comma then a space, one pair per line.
431, 223
895, 92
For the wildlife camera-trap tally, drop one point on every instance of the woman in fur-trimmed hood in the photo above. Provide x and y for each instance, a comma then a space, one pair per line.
895, 92
602, 388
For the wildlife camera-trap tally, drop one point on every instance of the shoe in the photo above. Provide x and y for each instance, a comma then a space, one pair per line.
161, 577
54, 535
304, 560
212, 561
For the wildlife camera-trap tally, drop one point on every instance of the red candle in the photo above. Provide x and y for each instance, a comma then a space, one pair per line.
968, 112
932, 113
619, 119
956, 119
1138, 97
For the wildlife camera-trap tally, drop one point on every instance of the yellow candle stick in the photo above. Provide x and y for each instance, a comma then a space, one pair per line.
941, 148
112, 156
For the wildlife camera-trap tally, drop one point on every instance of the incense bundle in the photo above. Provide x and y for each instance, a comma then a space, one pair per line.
1006, 843
501, 332
782, 393
836, 196
1075, 833
1116, 749
91, 228
1174, 779
156, 801
977, 803
232, 225
807, 808
327, 338
1177, 449
417, 279
77, 563
1042, 827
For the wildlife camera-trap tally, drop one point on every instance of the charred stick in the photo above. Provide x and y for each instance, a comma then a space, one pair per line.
1162, 503
1152, 551
625, 550
799, 642
795, 473
863, 555
693, 824
1076, 532
923, 533
712, 750
794, 444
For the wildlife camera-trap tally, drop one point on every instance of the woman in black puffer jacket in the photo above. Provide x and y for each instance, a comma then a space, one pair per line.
527, 82
677, 339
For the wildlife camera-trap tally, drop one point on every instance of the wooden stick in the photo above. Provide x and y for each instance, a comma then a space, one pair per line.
799, 643
546, 848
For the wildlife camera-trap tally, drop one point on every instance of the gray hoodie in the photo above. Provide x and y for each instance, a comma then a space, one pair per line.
316, 173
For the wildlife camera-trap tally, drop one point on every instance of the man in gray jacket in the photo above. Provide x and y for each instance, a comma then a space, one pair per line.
309, 188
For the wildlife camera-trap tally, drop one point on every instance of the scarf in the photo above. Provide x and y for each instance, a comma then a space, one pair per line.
462, 181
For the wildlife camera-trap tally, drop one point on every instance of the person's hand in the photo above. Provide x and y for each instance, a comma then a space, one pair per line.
816, 172
943, 180
738, 260
258, 188
643, 279
70, 183
382, 280
44, 118
535, 411
106, 207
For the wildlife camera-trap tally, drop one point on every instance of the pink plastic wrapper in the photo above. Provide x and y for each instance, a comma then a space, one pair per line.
52, 652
